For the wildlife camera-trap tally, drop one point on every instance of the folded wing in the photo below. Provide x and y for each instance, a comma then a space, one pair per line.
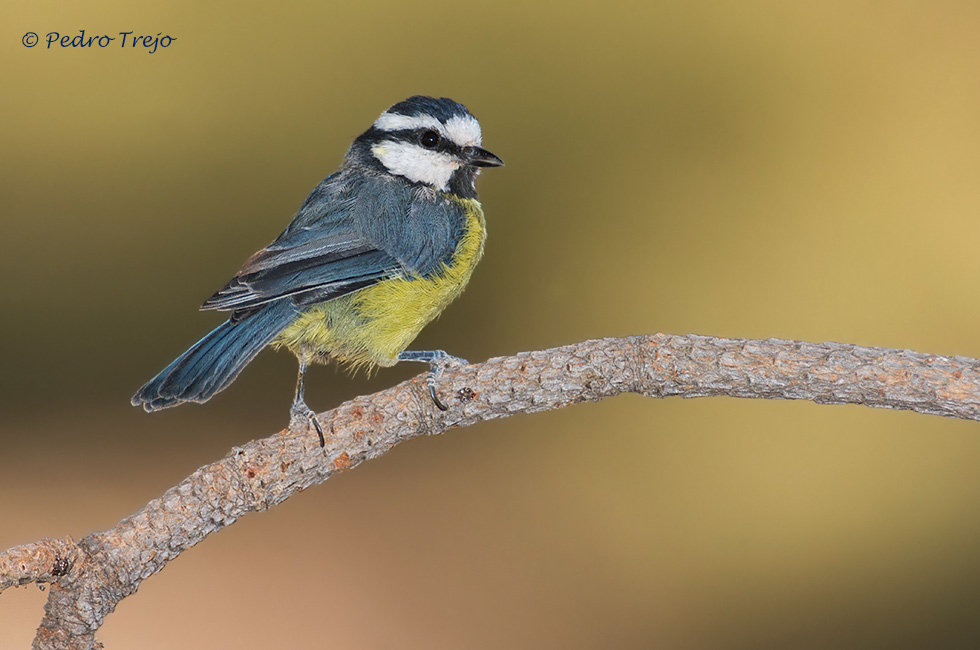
322, 255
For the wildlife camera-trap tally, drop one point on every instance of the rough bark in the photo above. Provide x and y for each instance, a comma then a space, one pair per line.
88, 578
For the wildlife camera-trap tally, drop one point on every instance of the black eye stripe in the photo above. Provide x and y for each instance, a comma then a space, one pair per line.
414, 136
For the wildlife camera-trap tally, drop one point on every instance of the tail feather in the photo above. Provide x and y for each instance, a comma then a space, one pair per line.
212, 363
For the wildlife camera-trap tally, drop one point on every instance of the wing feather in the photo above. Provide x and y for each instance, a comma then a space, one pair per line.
324, 252
352, 231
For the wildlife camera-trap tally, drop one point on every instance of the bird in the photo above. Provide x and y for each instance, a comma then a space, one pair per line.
376, 251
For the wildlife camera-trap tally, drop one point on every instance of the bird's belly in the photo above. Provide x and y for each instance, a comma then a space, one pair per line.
371, 326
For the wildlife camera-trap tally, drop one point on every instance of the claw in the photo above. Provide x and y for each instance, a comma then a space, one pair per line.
300, 410
319, 429
302, 415
437, 360
431, 381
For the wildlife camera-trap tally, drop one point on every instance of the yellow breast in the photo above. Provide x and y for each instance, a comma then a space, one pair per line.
371, 326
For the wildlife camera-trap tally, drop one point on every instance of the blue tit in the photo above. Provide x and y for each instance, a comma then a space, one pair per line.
377, 250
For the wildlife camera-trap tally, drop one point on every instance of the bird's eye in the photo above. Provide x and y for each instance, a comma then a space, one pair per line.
430, 139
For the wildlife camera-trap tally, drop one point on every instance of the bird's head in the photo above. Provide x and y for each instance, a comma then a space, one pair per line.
435, 142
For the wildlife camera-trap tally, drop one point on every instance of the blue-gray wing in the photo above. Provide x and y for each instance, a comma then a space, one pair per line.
323, 254
426, 231
350, 233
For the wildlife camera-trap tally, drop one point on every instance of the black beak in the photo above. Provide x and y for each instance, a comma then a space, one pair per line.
477, 157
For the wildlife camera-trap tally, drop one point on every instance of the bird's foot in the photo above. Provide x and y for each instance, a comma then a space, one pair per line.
302, 416
438, 361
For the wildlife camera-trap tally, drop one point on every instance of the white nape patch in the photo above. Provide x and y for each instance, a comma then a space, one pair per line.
416, 164
463, 130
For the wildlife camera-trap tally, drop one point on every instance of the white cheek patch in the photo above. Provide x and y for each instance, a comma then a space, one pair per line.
419, 165
463, 130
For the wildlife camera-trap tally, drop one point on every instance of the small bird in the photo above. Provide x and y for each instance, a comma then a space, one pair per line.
377, 250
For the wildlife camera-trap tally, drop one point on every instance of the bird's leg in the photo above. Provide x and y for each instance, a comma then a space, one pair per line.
300, 410
437, 360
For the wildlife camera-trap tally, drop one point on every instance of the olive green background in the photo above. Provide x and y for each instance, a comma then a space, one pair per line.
804, 170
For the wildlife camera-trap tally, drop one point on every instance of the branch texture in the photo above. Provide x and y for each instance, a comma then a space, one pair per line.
91, 576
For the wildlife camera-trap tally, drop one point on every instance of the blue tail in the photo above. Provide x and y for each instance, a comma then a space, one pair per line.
214, 361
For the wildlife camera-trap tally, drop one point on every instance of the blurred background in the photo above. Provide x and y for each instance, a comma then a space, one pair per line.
803, 170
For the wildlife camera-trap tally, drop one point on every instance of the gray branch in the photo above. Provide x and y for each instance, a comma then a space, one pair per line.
88, 578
